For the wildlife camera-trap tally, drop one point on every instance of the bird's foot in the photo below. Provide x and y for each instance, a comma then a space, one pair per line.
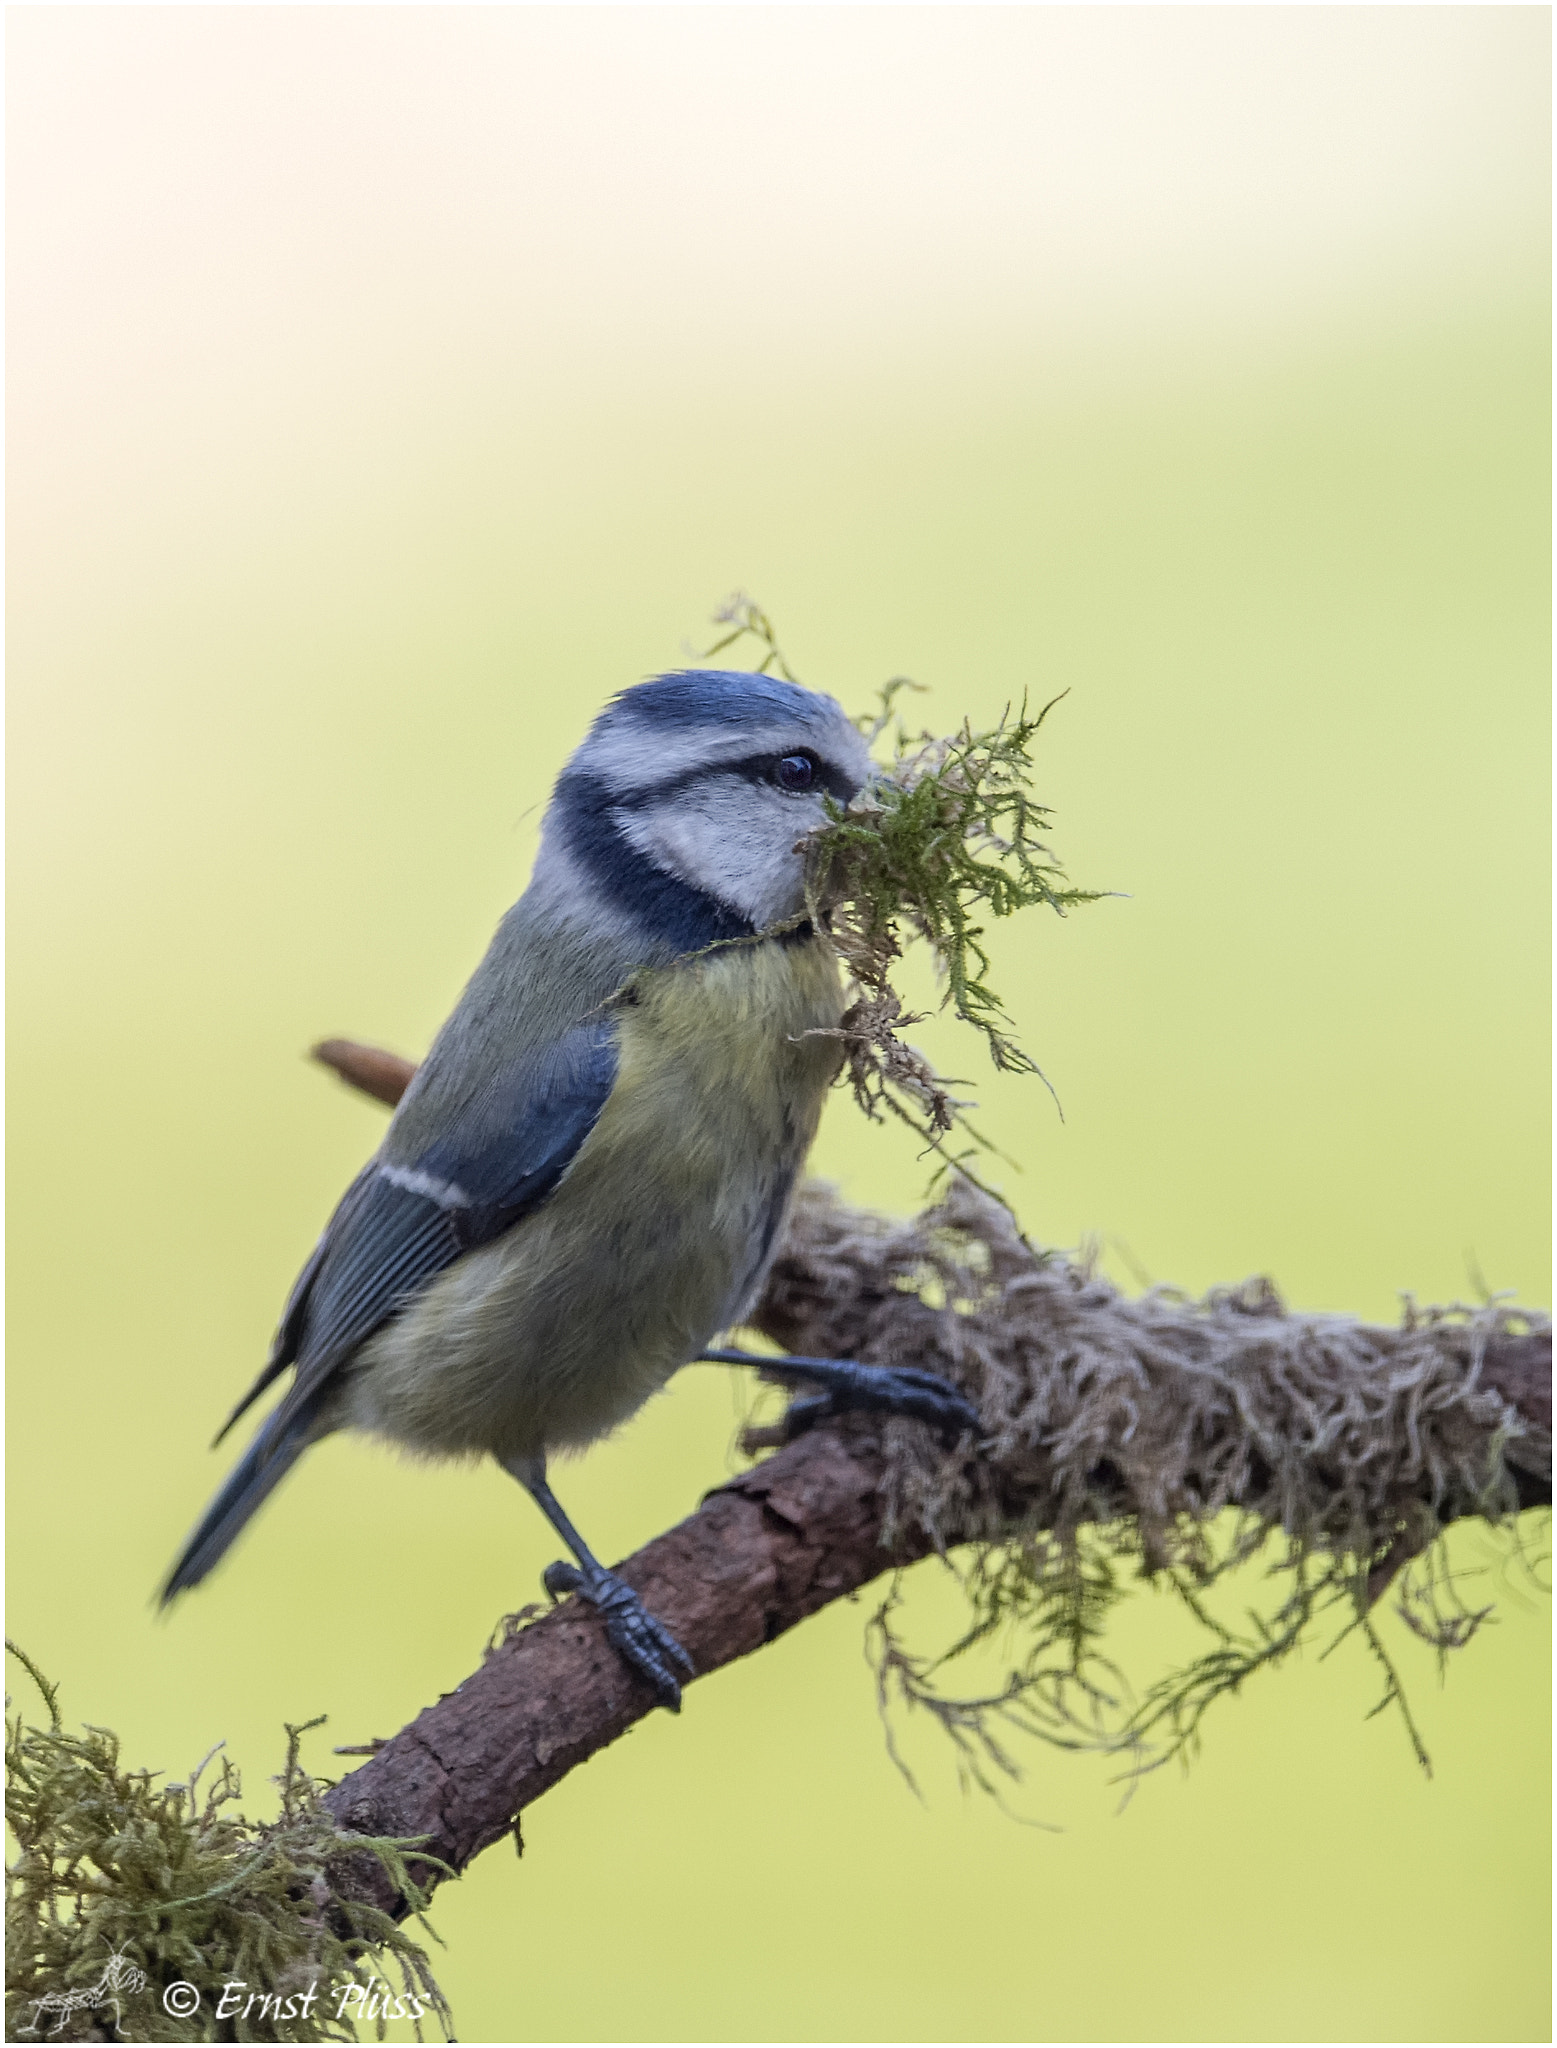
644, 1643
885, 1389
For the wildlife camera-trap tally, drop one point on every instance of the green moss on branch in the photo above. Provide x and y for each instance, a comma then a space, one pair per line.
158, 1909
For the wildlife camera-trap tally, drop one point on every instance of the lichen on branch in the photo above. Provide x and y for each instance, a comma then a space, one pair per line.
1156, 1442
165, 1896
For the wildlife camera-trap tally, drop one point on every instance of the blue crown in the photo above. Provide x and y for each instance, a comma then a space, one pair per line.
691, 697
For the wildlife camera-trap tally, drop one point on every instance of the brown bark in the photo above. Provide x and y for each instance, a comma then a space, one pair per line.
761, 1553
383, 1075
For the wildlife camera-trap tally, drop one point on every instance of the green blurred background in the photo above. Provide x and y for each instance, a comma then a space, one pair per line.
389, 386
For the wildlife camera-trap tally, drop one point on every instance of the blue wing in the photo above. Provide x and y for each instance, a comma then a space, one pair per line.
501, 1148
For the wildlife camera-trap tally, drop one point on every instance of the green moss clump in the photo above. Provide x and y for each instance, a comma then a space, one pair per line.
139, 1907
947, 836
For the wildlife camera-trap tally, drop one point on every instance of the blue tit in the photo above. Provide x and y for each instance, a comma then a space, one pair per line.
587, 1178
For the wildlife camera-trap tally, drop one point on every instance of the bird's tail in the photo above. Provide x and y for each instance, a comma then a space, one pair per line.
267, 1461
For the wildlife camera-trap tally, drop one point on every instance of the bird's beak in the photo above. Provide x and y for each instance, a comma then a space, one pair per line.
871, 794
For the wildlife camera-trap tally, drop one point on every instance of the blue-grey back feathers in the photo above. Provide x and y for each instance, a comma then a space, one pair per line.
504, 1150
407, 1219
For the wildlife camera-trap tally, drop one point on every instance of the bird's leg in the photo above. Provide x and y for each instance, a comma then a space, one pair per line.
646, 1644
845, 1384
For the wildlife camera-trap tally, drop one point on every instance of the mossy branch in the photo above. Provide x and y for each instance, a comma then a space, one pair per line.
1160, 1441
1155, 1441
154, 1898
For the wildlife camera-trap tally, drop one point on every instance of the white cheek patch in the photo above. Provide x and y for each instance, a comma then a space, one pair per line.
732, 839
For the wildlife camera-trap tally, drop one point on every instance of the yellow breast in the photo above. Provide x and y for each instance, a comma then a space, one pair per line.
656, 1238
734, 1041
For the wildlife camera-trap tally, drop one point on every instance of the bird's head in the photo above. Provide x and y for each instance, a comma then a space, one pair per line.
684, 805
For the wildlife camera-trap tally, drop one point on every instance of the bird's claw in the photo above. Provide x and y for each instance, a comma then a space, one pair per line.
644, 1643
883, 1389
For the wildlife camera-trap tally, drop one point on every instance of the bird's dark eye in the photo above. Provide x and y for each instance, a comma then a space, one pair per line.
795, 772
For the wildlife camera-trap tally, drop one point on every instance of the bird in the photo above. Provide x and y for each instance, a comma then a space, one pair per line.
586, 1181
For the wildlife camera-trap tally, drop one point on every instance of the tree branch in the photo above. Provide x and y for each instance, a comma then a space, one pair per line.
760, 1554
829, 1513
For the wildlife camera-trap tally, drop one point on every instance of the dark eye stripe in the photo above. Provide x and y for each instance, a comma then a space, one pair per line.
755, 768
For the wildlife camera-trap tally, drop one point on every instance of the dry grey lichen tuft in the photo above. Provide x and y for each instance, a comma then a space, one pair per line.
1156, 1438
170, 1882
